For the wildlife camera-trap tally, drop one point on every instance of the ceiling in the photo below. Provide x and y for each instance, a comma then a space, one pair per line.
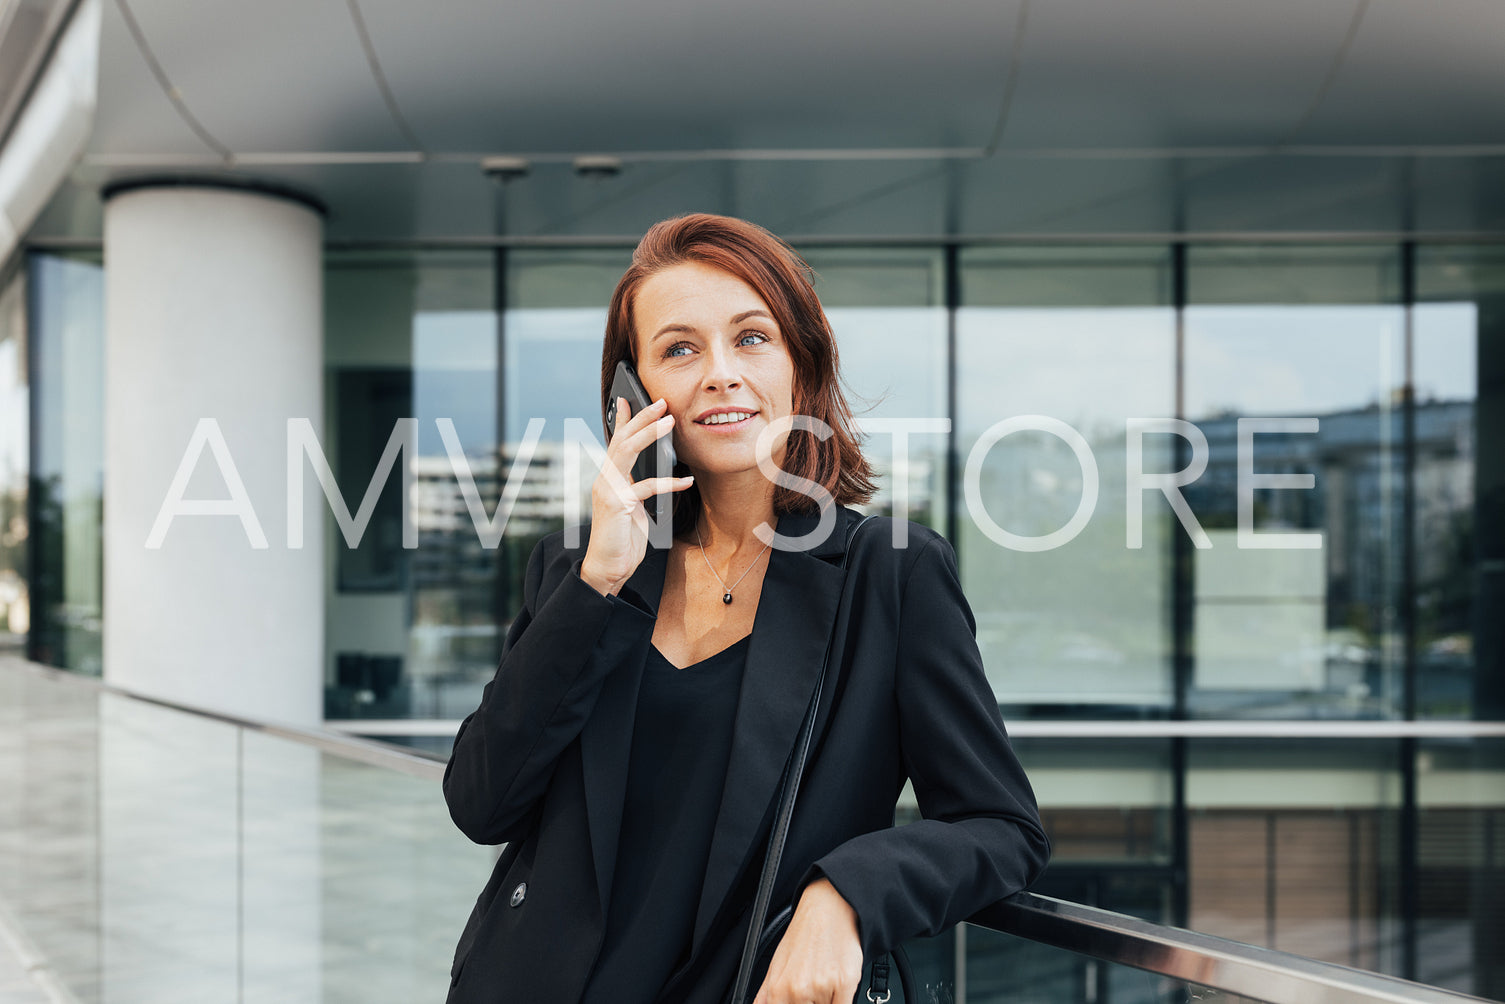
835, 120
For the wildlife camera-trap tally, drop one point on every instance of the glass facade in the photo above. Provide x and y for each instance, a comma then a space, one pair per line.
1093, 600
1068, 622
1317, 334
410, 337
65, 311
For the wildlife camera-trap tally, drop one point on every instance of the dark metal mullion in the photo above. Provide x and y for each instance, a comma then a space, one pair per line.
1272, 822
1407, 852
1408, 603
503, 604
953, 479
1355, 881
45, 577
1181, 617
1410, 821
35, 596
1182, 584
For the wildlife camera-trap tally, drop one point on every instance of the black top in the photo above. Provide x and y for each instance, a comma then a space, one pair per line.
681, 743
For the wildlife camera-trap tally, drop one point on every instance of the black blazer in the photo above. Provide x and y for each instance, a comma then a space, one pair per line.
542, 763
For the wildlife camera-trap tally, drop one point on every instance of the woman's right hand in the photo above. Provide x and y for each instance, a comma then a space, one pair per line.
619, 523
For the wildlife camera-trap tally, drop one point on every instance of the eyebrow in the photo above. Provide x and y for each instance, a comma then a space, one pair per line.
691, 328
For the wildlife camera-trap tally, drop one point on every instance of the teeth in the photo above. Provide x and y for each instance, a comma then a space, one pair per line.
727, 416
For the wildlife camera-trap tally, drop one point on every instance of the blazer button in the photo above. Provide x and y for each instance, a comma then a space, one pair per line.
519, 894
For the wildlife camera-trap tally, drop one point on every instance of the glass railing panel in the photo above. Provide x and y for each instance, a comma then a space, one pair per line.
281, 866
169, 839
1293, 845
398, 884
1006, 969
1105, 802
1460, 880
149, 854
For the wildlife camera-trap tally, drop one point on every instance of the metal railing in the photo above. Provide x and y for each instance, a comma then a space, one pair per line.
374, 753
1203, 960
1112, 939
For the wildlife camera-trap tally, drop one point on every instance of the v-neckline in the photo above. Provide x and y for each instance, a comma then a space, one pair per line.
701, 662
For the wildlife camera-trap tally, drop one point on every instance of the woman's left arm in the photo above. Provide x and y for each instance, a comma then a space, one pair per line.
980, 839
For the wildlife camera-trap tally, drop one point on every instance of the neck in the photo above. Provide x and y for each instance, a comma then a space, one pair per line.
731, 509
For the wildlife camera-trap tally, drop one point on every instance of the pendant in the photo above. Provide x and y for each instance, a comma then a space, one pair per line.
726, 597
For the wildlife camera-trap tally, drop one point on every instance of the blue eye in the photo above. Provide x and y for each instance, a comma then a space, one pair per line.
672, 352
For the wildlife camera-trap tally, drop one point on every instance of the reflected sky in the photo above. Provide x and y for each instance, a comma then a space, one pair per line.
1446, 353
1291, 360
554, 368
1091, 368
454, 376
893, 359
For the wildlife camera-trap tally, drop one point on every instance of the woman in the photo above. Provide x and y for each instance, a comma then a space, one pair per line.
630, 747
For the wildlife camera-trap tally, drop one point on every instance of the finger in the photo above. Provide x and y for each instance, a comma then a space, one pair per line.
625, 453
636, 420
640, 438
770, 976
625, 416
648, 487
621, 415
765, 995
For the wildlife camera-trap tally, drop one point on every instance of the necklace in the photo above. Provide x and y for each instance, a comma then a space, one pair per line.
726, 597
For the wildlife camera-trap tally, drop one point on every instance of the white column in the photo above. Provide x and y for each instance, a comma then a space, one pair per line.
213, 310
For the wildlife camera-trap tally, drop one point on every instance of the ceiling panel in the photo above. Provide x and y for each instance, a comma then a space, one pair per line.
1067, 196
575, 76
1420, 73
259, 77
1459, 194
1292, 194
134, 115
580, 76
1009, 197
1171, 73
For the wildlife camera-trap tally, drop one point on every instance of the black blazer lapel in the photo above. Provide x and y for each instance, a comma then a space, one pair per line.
796, 612
606, 739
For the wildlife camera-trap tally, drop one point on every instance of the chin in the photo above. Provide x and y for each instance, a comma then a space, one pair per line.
722, 466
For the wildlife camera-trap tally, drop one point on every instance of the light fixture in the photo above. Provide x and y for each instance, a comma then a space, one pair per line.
598, 166
505, 169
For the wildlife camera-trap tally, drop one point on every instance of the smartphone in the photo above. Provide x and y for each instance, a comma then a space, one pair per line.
657, 460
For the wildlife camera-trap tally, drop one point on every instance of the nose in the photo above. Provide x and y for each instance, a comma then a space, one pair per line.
720, 368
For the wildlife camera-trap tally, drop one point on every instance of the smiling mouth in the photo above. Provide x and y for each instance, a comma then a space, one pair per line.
727, 418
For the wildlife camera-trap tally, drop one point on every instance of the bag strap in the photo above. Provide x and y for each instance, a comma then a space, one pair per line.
794, 768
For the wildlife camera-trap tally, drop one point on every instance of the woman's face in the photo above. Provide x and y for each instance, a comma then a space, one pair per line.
707, 343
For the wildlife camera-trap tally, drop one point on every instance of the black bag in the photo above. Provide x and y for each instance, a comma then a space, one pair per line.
761, 940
